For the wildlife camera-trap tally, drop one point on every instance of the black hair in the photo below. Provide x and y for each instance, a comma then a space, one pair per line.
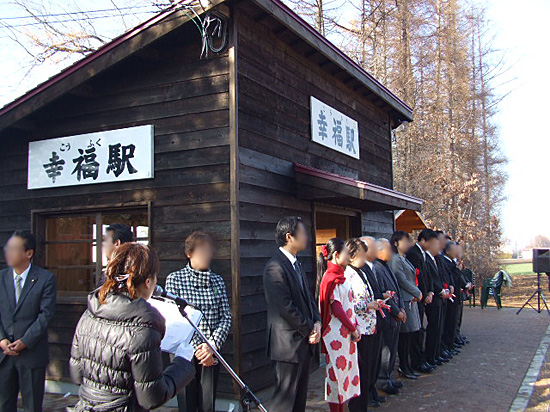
448, 237
427, 234
439, 232
121, 232
29, 240
287, 225
396, 237
333, 245
354, 245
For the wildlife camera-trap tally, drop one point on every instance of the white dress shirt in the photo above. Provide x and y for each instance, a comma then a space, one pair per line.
23, 277
422, 250
289, 255
371, 265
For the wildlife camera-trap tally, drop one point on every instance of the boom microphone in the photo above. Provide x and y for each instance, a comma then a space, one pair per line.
163, 293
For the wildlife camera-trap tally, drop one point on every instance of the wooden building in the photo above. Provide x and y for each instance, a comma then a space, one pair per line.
233, 153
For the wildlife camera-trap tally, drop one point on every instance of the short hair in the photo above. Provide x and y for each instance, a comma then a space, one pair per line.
354, 245
380, 242
448, 245
448, 237
196, 239
286, 225
396, 237
427, 234
29, 240
121, 232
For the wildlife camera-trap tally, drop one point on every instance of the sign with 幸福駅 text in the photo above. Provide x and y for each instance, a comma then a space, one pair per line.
333, 129
100, 157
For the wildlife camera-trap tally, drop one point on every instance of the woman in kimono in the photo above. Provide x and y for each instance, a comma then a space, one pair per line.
340, 331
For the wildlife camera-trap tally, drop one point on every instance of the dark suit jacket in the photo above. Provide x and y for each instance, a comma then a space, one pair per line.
386, 276
415, 256
444, 272
291, 312
435, 279
459, 282
28, 319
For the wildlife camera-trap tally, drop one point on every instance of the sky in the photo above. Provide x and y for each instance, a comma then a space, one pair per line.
521, 32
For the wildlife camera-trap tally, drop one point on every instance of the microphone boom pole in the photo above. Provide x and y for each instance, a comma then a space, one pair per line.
247, 396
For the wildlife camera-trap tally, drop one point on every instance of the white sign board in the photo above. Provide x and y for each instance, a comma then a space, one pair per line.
333, 129
111, 156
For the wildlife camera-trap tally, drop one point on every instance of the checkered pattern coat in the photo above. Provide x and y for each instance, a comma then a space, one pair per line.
205, 291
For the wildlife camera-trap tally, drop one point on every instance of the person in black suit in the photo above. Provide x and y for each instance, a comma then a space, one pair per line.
397, 316
417, 256
433, 310
27, 305
450, 253
374, 353
293, 319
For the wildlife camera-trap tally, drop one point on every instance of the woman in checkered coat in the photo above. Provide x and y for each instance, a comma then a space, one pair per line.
205, 290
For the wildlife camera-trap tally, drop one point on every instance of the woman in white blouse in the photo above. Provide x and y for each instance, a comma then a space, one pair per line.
365, 306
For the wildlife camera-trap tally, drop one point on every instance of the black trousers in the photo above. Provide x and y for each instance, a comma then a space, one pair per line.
368, 354
200, 394
433, 332
417, 354
390, 340
291, 387
459, 318
442, 318
404, 350
449, 328
14, 377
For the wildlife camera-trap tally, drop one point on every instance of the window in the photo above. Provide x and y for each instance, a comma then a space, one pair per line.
70, 247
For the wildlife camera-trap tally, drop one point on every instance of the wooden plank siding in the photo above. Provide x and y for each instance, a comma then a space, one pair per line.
275, 84
187, 101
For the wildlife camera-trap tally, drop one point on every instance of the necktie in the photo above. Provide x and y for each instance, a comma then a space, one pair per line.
299, 274
18, 287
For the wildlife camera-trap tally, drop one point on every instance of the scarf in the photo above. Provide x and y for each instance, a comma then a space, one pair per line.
332, 277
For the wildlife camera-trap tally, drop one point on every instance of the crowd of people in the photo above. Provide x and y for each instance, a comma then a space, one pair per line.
375, 296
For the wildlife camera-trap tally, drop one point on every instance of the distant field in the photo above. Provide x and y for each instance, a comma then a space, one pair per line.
519, 269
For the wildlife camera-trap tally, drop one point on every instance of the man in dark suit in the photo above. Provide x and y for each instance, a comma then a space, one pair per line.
417, 256
448, 284
450, 253
373, 342
27, 304
433, 310
390, 336
293, 320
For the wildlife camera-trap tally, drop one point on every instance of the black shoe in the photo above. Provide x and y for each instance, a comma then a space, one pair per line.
390, 389
382, 399
396, 384
442, 359
423, 369
373, 404
430, 365
446, 354
415, 373
407, 375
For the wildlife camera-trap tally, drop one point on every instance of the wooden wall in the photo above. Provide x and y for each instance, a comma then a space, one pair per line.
186, 99
275, 84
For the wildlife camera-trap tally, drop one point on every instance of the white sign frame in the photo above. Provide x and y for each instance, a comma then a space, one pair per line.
100, 157
333, 129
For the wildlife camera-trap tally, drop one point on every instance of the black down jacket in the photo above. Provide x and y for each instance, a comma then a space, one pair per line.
116, 357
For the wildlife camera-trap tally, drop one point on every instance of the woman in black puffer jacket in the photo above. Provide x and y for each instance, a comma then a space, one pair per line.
116, 356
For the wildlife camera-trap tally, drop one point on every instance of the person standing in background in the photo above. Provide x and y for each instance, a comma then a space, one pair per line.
365, 306
293, 320
405, 273
115, 235
398, 316
204, 290
27, 305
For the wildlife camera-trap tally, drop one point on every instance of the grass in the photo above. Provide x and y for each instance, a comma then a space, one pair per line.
515, 269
